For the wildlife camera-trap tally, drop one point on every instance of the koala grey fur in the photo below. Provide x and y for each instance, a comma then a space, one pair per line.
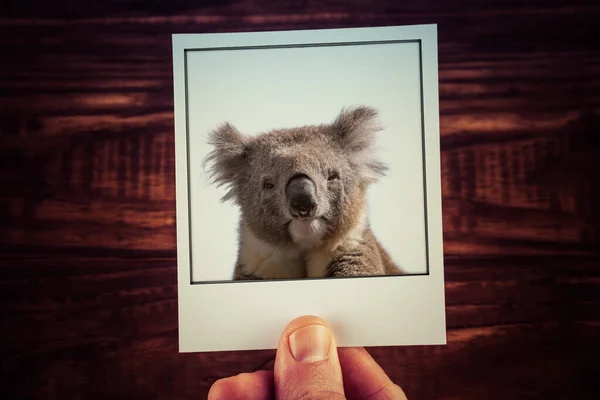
302, 193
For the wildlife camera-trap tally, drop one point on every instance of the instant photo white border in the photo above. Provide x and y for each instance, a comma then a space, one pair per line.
362, 311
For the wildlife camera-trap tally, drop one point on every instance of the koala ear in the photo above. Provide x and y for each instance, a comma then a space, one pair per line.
355, 131
227, 157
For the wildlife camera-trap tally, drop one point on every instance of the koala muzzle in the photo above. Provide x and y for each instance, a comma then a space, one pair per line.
301, 197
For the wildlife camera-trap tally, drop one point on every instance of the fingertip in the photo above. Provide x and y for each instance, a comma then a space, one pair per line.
308, 337
302, 321
307, 350
221, 389
364, 377
249, 386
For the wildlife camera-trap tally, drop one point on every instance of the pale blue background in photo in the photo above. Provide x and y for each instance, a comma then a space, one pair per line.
258, 90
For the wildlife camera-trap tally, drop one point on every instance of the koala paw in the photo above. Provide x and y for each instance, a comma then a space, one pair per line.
350, 264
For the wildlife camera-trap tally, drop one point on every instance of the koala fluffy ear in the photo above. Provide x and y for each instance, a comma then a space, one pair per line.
227, 157
355, 130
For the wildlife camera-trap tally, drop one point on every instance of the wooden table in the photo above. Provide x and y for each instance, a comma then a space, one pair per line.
87, 199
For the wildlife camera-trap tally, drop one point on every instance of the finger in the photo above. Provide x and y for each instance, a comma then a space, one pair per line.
307, 364
364, 378
248, 386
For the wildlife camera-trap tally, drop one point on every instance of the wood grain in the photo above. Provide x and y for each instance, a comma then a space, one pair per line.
87, 199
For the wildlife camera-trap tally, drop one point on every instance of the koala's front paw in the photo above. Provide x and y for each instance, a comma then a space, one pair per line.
350, 264
241, 275
247, 277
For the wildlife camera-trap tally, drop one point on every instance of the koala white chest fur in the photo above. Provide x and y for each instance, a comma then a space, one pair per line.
260, 258
303, 193
309, 258
307, 233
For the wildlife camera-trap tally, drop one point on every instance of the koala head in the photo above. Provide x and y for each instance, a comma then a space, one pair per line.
299, 185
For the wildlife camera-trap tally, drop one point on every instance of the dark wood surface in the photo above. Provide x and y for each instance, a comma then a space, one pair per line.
87, 214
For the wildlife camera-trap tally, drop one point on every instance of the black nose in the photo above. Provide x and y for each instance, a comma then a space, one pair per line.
300, 192
303, 206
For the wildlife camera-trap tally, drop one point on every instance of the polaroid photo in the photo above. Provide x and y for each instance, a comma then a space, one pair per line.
308, 182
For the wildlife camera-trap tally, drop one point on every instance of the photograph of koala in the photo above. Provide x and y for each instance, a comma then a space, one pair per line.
308, 182
302, 192
307, 161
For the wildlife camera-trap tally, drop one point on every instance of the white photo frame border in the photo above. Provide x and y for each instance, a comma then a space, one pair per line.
243, 315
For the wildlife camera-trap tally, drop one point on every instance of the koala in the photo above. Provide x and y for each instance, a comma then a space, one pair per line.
302, 195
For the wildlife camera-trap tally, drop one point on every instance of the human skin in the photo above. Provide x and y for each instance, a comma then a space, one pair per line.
308, 365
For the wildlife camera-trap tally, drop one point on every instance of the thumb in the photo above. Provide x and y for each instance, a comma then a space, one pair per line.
307, 364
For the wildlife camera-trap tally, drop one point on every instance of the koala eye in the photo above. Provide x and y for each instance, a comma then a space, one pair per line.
268, 185
333, 176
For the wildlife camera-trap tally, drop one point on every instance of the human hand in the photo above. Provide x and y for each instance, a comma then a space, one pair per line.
308, 365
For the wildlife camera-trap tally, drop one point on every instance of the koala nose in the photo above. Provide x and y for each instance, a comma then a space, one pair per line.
300, 193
